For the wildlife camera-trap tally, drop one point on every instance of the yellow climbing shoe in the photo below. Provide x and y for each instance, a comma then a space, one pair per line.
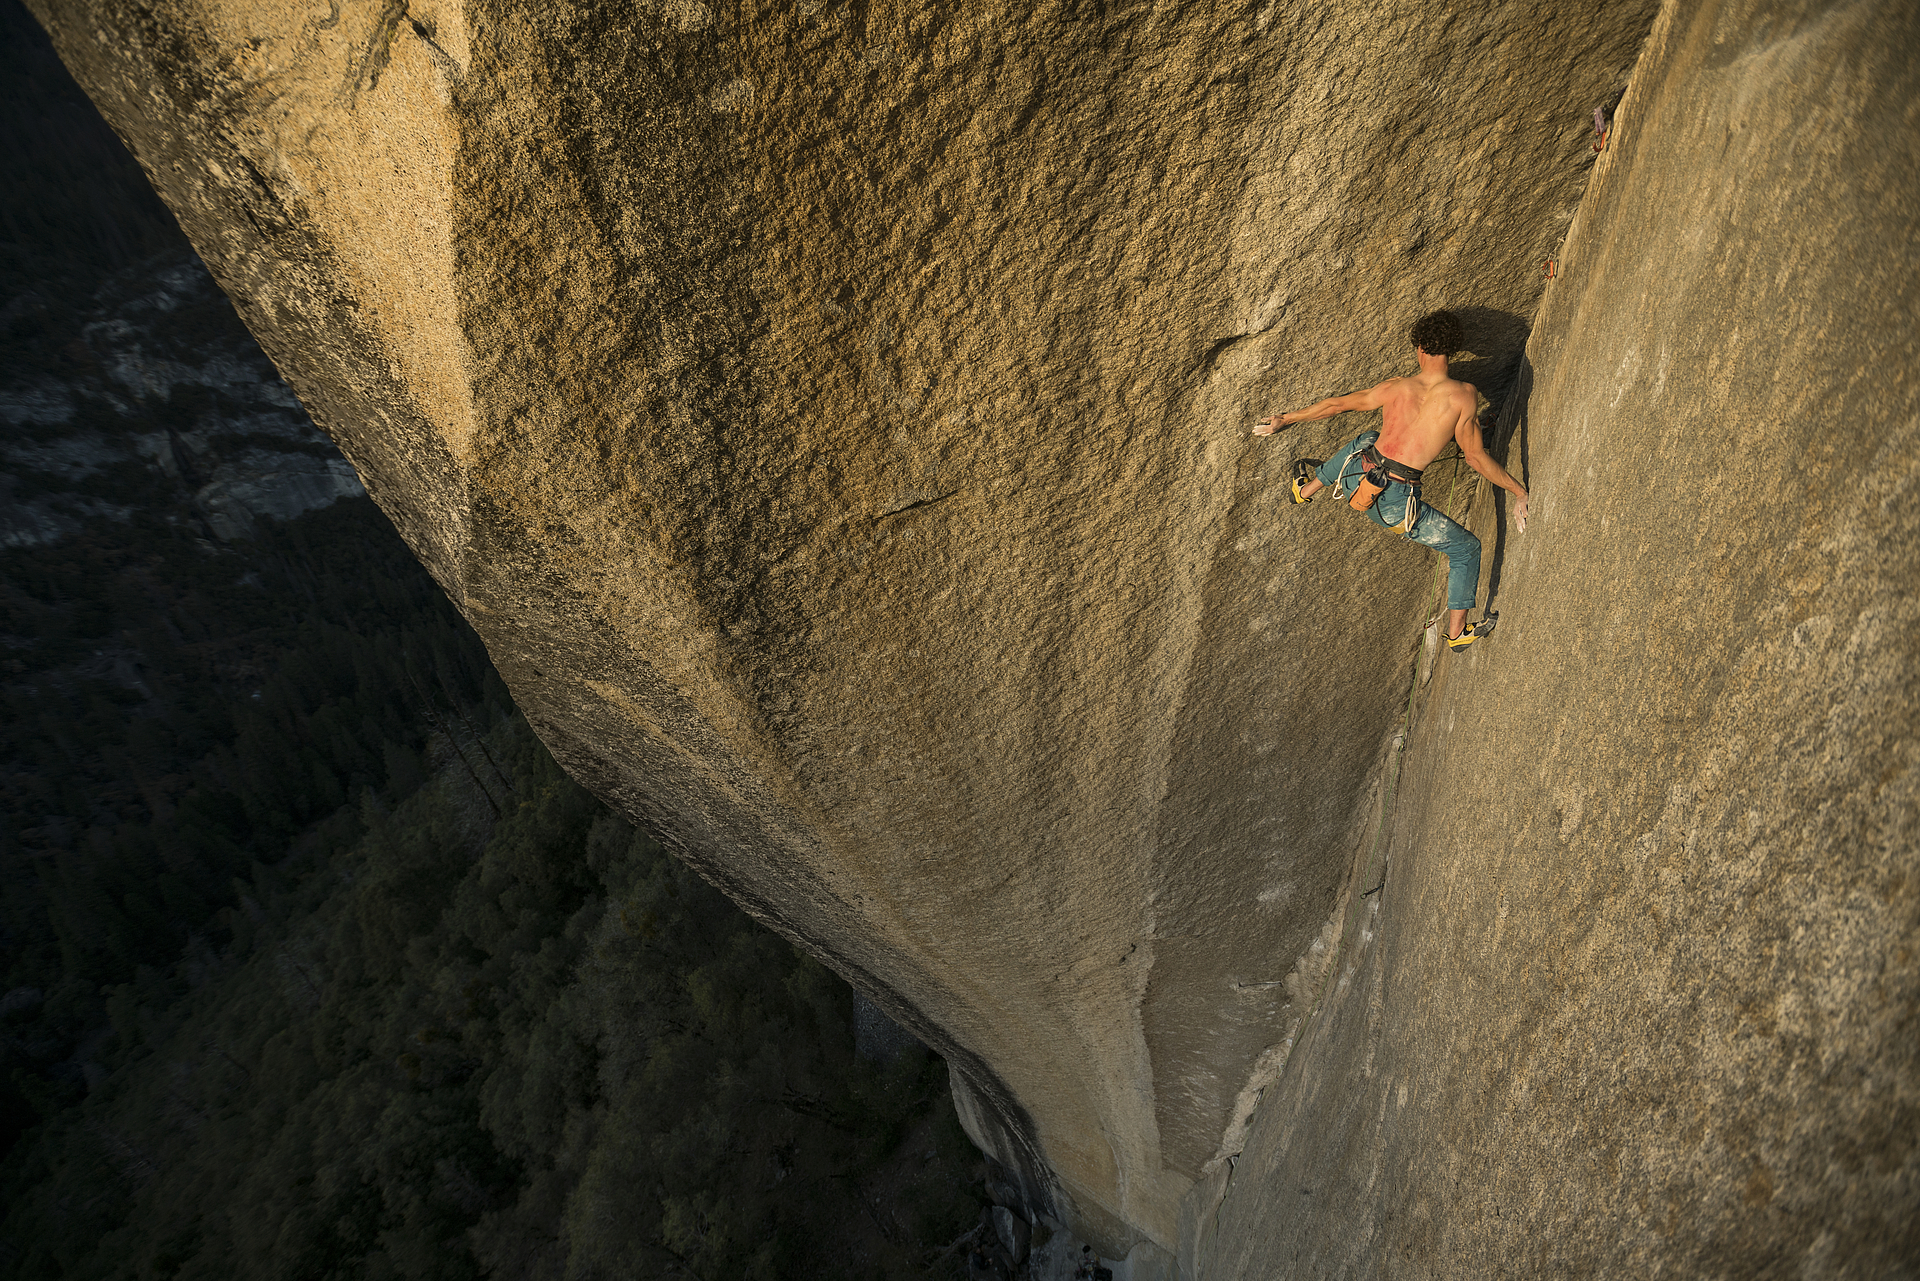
1473, 631
1304, 470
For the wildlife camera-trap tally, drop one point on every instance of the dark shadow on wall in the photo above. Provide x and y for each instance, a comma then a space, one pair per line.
1508, 443
1499, 370
1499, 341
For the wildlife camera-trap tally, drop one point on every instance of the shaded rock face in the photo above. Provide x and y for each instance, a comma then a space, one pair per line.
1638, 996
833, 417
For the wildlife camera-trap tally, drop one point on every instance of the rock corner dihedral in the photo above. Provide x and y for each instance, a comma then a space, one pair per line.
832, 418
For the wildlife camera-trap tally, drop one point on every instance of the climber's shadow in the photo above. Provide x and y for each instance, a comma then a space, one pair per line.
1498, 341
1505, 378
1508, 445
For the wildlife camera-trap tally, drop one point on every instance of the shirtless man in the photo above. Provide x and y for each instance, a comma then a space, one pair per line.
1419, 415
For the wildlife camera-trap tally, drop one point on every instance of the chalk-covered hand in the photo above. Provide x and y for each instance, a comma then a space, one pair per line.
1270, 424
1520, 514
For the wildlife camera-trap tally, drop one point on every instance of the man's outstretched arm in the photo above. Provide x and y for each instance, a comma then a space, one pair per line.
1467, 433
1359, 400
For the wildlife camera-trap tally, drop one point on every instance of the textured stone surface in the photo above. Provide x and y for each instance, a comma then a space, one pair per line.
1639, 996
833, 417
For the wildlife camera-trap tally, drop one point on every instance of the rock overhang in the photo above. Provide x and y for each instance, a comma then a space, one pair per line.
833, 420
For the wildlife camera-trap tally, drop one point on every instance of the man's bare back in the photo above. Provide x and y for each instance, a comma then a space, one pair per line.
1420, 413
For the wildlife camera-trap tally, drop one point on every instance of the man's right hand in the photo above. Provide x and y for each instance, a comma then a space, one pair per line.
1270, 424
1520, 514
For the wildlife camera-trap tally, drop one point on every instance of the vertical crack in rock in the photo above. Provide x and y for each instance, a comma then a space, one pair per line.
1636, 884
821, 413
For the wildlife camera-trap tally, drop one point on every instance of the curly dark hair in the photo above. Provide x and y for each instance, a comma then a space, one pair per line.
1437, 333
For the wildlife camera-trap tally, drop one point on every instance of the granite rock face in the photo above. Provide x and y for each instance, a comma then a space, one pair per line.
1639, 994
833, 417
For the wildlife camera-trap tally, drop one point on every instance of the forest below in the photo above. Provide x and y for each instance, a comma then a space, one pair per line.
315, 964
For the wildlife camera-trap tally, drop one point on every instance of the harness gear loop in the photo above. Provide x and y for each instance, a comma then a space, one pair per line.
1412, 517
1382, 471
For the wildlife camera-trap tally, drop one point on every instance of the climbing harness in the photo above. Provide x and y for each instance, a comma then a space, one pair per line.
1380, 472
1366, 491
1391, 468
1376, 472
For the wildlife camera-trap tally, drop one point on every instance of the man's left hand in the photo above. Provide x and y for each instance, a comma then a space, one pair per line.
1270, 424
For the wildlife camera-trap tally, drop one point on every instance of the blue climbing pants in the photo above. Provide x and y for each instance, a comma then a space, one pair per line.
1432, 529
